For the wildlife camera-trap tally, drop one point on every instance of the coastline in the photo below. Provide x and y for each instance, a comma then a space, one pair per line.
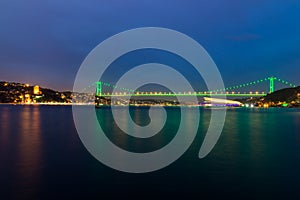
136, 106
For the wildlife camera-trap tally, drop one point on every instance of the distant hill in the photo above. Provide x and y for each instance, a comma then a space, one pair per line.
285, 95
11, 92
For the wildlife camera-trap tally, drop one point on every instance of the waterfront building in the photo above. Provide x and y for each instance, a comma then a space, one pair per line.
36, 90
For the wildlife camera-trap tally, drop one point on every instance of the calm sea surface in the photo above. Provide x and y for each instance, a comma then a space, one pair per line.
42, 157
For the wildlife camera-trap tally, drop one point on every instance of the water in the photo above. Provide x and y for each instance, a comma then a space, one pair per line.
42, 157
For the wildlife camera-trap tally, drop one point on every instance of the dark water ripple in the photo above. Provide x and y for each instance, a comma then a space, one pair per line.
42, 157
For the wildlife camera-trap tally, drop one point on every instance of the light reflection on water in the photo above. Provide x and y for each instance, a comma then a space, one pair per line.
41, 155
5, 124
30, 150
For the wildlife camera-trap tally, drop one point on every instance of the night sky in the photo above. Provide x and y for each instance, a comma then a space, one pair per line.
45, 42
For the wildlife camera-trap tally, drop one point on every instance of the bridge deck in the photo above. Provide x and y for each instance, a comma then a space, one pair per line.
182, 94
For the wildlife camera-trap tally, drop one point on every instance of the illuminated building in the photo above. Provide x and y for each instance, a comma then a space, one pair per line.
266, 105
36, 90
27, 98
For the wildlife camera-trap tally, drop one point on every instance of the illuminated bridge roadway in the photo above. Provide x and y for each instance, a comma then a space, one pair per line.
228, 91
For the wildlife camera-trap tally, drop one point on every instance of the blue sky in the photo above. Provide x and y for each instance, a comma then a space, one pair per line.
44, 42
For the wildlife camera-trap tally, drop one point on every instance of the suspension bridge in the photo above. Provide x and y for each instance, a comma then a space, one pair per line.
232, 91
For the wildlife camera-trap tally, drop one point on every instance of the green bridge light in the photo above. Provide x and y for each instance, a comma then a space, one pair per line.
271, 84
99, 89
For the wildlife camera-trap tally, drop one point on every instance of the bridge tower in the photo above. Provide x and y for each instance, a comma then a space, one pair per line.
99, 88
272, 84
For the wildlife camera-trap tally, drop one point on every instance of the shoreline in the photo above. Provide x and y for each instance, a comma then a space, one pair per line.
135, 106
